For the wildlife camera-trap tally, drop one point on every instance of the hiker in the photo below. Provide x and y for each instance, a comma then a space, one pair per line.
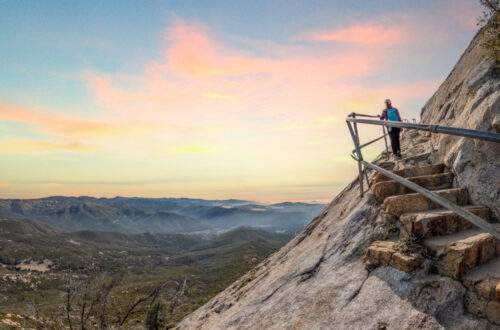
392, 114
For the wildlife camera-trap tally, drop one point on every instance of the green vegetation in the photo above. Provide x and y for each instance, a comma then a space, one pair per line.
113, 272
490, 20
104, 279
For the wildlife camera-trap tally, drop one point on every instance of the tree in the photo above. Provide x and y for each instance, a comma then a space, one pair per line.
154, 317
173, 291
88, 302
490, 22
88, 299
155, 293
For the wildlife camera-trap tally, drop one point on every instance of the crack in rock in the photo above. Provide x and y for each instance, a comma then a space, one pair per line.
274, 291
311, 271
356, 292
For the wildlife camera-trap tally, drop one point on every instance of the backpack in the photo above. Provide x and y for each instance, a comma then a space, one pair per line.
392, 114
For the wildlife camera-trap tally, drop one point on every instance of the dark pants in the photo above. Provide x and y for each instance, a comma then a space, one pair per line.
394, 135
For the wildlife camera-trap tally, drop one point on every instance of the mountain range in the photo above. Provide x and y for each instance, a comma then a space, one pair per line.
159, 215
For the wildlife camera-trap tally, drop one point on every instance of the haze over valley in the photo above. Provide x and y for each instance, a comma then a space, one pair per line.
160, 215
100, 248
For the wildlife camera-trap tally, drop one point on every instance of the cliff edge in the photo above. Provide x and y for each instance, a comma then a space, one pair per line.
319, 279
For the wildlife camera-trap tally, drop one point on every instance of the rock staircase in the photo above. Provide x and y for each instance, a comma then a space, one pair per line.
430, 234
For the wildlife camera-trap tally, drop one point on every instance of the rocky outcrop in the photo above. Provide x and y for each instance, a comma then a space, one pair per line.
319, 279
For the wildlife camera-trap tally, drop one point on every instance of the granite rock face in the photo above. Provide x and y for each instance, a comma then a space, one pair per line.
319, 279
469, 98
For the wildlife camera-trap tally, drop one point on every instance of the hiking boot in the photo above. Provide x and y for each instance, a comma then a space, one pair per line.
398, 154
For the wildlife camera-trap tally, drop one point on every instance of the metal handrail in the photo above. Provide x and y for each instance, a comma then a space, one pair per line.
357, 155
355, 138
370, 142
354, 114
470, 133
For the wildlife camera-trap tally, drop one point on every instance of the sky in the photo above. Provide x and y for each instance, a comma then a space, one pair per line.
210, 99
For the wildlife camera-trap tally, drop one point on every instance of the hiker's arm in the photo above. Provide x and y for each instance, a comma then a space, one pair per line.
384, 115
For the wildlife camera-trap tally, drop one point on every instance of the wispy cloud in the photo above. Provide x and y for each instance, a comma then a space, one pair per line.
199, 149
217, 96
184, 97
328, 119
367, 34
196, 67
194, 52
292, 127
247, 116
57, 123
33, 146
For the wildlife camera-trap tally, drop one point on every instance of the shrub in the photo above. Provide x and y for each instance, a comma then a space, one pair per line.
490, 22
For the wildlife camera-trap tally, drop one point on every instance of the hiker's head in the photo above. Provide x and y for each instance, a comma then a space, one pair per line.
388, 103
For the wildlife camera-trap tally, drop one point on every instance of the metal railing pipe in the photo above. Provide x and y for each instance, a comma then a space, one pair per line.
354, 115
355, 138
385, 140
370, 142
470, 133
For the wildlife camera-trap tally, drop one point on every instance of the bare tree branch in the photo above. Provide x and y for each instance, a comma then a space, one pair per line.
115, 280
69, 293
153, 295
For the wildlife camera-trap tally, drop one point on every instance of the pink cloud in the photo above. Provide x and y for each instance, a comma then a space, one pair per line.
202, 89
57, 123
33, 146
193, 51
372, 34
198, 73
231, 119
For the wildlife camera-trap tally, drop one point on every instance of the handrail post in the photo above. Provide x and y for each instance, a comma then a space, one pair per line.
385, 140
355, 139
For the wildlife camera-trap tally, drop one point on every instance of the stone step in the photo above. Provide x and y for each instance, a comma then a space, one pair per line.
386, 165
416, 158
460, 252
411, 171
385, 189
397, 205
439, 222
483, 290
485, 279
386, 253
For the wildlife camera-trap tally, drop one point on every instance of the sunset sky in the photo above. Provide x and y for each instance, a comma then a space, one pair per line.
209, 99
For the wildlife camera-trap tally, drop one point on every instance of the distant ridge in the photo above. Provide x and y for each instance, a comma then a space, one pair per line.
158, 215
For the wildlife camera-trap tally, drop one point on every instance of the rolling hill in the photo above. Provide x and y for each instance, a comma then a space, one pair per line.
139, 261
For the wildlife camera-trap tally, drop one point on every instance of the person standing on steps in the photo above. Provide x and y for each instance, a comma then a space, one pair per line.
392, 114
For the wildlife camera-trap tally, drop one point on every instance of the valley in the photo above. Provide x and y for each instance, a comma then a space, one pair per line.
60, 262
